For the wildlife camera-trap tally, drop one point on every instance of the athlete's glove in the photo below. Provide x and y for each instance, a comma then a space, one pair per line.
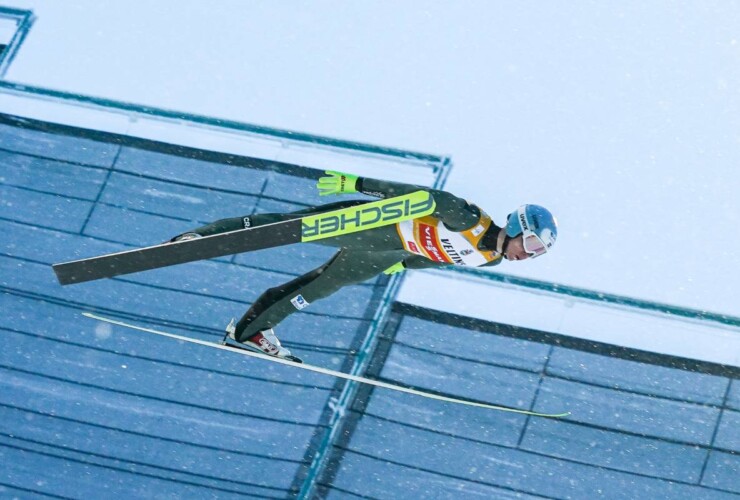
398, 267
337, 183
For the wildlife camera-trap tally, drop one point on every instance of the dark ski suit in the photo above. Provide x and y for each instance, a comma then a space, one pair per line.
361, 255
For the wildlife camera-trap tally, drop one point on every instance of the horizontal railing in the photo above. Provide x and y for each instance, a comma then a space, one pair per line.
603, 297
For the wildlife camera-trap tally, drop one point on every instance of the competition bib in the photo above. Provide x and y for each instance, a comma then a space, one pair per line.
429, 237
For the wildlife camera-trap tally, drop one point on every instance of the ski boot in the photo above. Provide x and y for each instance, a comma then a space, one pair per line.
265, 342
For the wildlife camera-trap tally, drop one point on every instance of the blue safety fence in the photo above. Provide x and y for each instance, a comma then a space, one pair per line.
643, 425
90, 410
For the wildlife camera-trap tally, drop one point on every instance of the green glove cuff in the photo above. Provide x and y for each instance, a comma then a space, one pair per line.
398, 267
337, 183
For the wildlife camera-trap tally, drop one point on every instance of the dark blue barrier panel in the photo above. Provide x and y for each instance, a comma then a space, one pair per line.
369, 477
113, 412
195, 204
449, 420
47, 245
59, 177
644, 415
638, 377
614, 450
47, 210
58, 147
118, 412
467, 379
728, 435
481, 346
722, 471
637, 430
495, 466
733, 397
190, 171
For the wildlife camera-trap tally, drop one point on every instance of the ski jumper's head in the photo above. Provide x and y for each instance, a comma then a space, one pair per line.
531, 231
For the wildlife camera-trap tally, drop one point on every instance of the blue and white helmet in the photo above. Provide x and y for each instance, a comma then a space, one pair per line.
537, 224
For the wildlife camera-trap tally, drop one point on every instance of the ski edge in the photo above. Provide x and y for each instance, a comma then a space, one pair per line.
326, 371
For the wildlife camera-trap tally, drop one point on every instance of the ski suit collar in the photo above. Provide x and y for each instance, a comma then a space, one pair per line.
495, 239
501, 241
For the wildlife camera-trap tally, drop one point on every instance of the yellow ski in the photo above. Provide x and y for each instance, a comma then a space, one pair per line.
326, 371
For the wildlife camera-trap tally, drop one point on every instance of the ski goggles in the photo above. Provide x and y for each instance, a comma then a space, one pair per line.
533, 244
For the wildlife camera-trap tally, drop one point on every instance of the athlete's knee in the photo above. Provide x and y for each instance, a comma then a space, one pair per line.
220, 226
272, 295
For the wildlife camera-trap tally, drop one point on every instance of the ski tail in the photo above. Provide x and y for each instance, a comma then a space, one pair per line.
309, 228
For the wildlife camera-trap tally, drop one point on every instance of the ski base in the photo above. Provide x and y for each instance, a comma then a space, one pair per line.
309, 228
325, 371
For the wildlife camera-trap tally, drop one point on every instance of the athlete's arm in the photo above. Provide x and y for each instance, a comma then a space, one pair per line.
456, 213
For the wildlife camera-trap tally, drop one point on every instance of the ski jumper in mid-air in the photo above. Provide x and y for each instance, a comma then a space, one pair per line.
456, 233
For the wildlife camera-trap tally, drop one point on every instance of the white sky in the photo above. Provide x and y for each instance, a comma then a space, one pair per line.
623, 118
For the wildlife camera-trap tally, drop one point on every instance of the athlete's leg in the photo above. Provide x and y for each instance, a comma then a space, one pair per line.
347, 267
